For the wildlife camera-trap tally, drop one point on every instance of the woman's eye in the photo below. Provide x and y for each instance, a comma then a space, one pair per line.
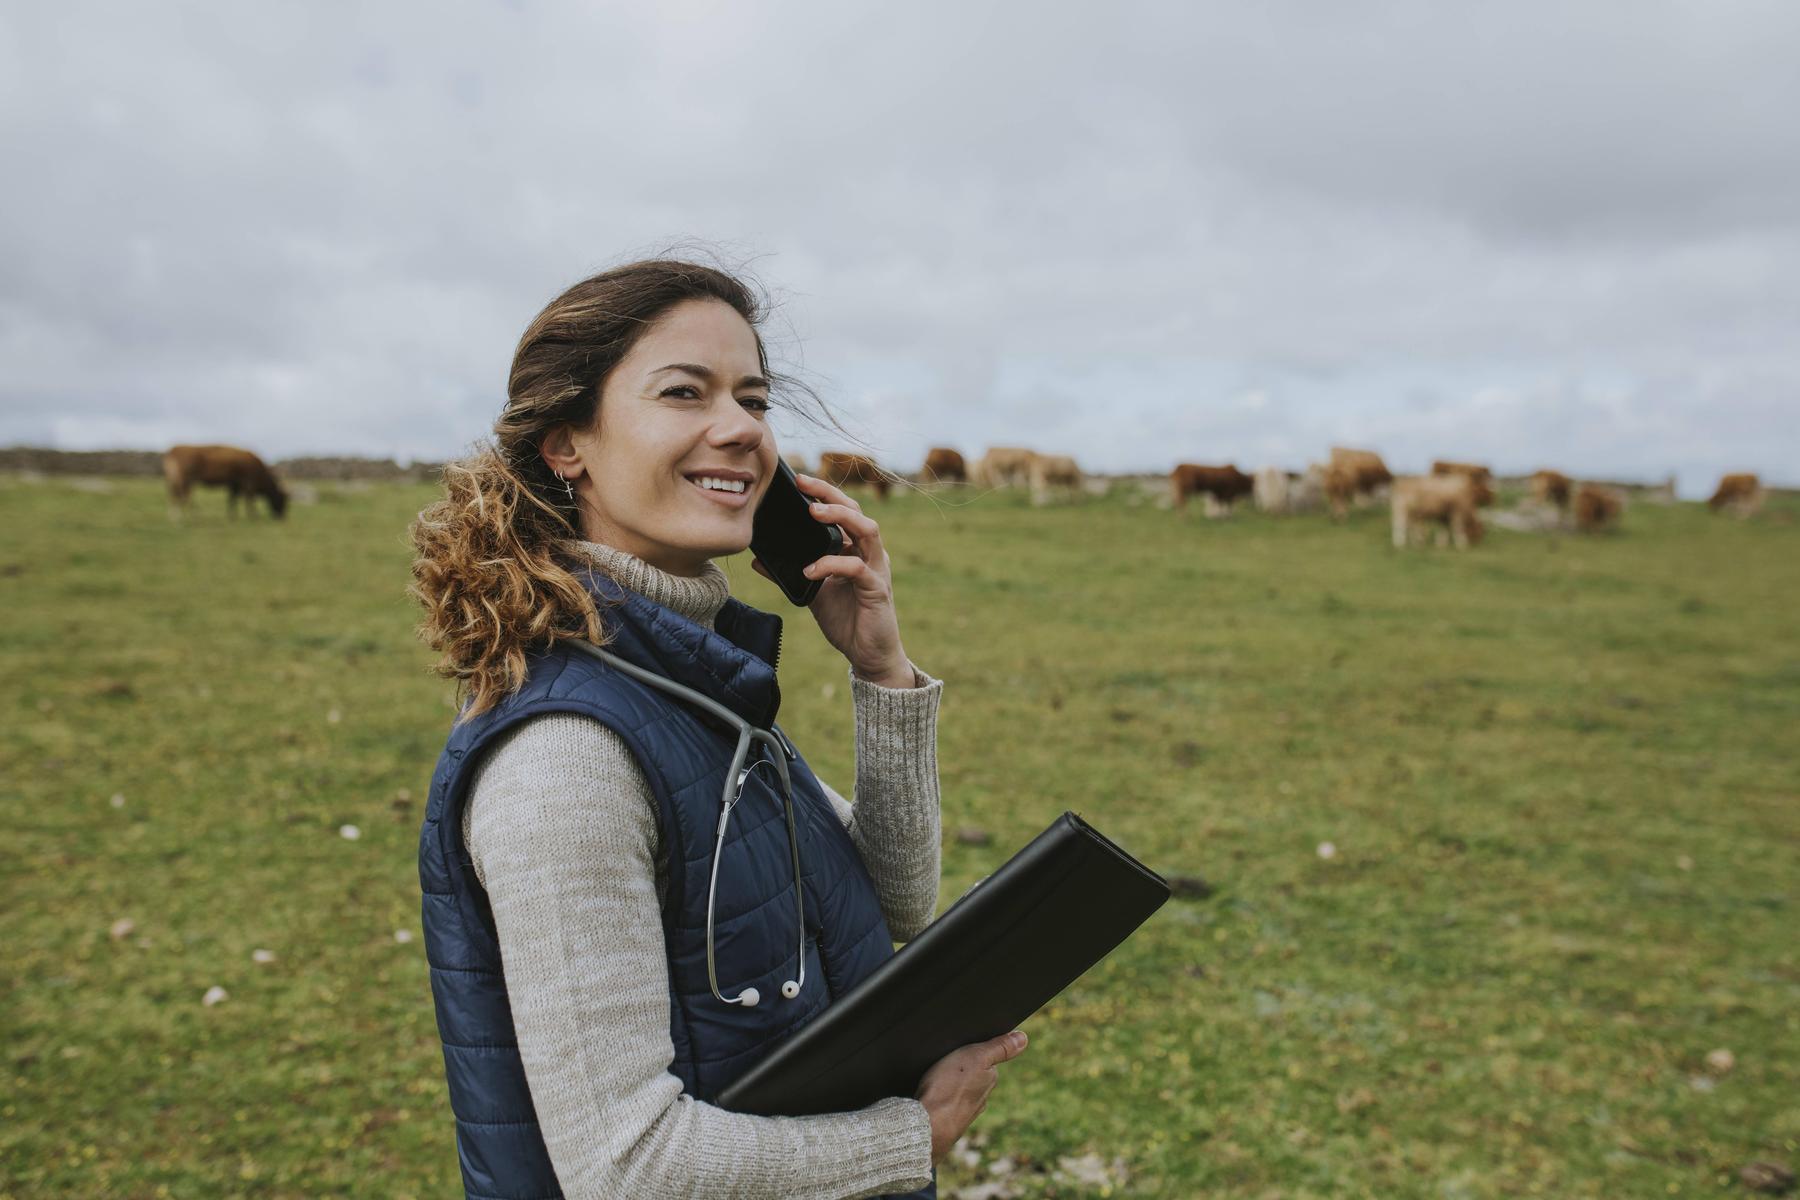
682, 391
756, 403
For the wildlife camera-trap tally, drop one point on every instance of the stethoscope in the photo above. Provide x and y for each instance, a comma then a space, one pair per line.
780, 749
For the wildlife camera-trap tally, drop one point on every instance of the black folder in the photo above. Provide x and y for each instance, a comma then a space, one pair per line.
996, 956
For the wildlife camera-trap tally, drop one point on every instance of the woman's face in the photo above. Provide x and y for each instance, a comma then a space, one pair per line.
682, 450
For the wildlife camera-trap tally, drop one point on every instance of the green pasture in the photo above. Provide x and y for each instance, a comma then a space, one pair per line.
1561, 776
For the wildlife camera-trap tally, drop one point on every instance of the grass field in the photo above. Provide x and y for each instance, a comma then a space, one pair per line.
1562, 778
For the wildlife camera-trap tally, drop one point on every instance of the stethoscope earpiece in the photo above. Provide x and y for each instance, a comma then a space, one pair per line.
789, 990
749, 998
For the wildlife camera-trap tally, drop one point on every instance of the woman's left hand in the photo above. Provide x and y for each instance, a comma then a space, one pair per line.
855, 607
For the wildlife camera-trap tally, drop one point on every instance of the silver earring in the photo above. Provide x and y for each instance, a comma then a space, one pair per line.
567, 486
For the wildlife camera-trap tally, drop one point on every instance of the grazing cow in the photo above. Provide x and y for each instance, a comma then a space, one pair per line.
1273, 490
1053, 473
1307, 492
1552, 487
847, 469
944, 465
1741, 493
1352, 474
1004, 466
1447, 500
1596, 508
1475, 473
244, 475
1220, 485
798, 463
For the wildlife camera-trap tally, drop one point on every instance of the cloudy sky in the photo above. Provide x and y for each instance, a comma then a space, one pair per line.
1563, 233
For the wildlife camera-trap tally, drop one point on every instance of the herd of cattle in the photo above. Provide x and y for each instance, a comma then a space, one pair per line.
1446, 504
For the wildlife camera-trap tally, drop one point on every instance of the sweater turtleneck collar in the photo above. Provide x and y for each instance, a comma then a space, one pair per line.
696, 597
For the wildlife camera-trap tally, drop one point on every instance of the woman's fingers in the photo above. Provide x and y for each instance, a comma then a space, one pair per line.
817, 488
840, 566
862, 530
1004, 1048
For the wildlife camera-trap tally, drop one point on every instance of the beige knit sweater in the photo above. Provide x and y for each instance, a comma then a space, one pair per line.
562, 829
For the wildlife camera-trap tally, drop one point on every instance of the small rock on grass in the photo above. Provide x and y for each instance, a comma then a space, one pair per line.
118, 800
122, 928
969, 835
214, 995
1720, 1061
1189, 887
349, 832
262, 956
403, 936
1093, 1171
1327, 851
1769, 1178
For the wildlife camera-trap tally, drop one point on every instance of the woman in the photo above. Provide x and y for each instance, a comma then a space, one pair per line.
568, 841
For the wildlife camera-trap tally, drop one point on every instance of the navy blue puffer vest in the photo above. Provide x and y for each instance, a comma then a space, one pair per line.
684, 754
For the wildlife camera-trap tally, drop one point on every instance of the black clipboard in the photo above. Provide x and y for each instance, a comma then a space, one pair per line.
996, 956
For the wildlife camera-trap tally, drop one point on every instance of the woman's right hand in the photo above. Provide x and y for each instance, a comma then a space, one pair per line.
956, 1088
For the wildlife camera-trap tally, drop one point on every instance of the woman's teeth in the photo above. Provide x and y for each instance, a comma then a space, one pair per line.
721, 485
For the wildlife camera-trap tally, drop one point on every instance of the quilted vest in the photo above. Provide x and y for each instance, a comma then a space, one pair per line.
685, 754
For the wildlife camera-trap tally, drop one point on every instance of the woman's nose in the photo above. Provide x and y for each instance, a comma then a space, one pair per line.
737, 427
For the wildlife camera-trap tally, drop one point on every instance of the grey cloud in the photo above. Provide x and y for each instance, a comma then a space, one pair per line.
322, 228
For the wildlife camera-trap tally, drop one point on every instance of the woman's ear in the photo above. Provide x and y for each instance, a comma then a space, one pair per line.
558, 449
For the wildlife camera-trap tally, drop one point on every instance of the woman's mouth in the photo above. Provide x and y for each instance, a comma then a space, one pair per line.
730, 489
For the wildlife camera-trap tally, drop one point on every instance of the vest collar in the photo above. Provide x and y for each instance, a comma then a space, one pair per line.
734, 662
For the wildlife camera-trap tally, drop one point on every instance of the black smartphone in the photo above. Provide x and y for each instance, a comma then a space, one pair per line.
787, 537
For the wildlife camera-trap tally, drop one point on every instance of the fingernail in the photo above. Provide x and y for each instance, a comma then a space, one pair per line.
818, 504
1018, 1039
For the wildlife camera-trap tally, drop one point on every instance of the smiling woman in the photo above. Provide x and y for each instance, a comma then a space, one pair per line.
600, 938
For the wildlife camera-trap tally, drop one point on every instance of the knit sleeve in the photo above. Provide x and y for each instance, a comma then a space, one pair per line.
896, 820
561, 827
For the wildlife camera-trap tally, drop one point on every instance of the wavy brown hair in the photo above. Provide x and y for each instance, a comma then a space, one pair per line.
496, 568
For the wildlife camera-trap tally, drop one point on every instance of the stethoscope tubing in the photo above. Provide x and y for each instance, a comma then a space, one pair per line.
735, 778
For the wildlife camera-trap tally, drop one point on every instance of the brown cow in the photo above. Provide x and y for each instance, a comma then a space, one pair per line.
1352, 474
797, 462
944, 465
1741, 493
1552, 487
1475, 473
1596, 508
1053, 472
239, 471
847, 469
1447, 500
1220, 485
1004, 466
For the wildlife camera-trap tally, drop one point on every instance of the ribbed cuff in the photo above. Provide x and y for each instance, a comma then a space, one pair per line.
901, 1159
896, 733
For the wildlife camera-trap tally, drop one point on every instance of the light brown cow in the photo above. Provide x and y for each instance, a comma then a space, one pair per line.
1352, 474
944, 465
846, 470
1478, 475
1741, 493
240, 472
1220, 485
1004, 466
1052, 475
1596, 508
1272, 490
1552, 487
798, 463
1446, 500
